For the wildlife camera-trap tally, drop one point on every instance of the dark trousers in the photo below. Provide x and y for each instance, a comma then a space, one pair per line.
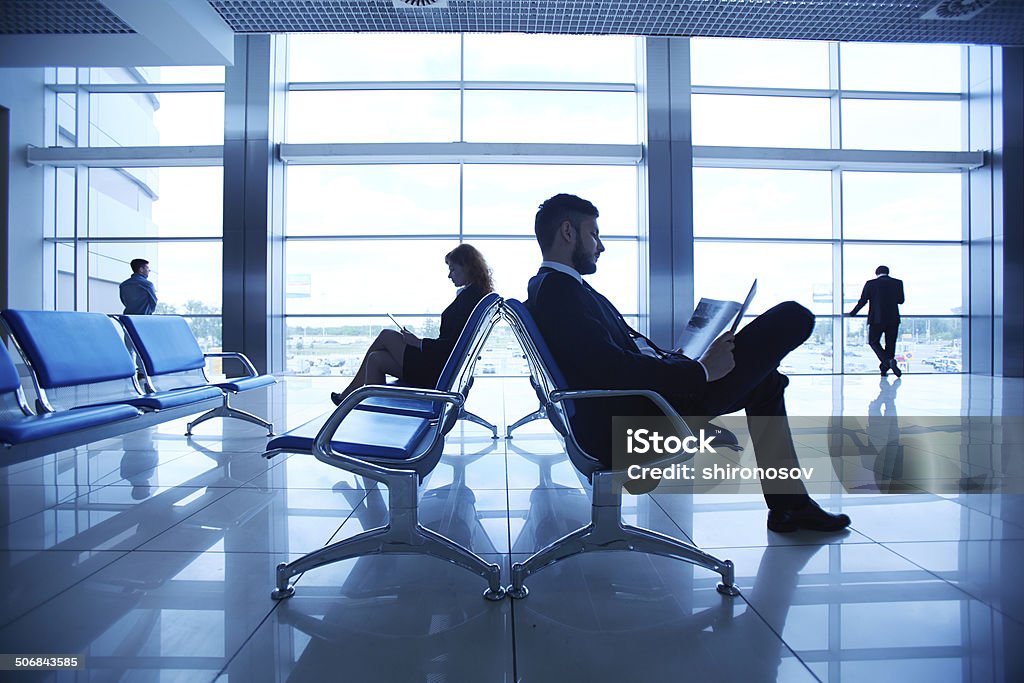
886, 354
756, 386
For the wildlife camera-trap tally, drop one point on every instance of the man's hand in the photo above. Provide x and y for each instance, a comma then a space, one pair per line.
718, 360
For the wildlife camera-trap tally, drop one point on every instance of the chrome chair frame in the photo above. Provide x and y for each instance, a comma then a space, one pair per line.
226, 410
403, 533
606, 531
464, 379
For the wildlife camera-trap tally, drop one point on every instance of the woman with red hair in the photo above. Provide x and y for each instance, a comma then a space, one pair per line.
418, 362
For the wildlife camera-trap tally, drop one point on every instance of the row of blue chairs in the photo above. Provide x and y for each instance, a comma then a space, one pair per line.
376, 434
88, 385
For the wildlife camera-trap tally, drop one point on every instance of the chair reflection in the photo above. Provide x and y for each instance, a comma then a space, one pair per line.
366, 612
638, 617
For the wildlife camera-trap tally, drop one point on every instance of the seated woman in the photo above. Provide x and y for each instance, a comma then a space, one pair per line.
418, 362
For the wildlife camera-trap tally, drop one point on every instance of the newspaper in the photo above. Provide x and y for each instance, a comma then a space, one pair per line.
709, 320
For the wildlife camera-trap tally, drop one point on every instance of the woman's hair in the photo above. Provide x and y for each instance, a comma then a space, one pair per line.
467, 256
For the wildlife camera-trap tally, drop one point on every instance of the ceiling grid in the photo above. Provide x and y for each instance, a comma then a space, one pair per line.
998, 22
896, 21
26, 17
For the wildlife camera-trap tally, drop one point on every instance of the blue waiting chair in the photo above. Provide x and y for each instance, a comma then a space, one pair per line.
393, 449
171, 358
606, 531
23, 434
394, 435
79, 359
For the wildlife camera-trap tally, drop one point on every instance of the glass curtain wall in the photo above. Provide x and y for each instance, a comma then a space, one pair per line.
107, 213
366, 238
815, 234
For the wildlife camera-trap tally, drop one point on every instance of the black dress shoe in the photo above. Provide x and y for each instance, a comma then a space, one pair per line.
895, 367
336, 398
808, 516
884, 368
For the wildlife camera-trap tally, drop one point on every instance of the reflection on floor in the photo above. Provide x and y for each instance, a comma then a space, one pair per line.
153, 557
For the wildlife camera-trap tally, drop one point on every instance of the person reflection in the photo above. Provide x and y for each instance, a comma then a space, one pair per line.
769, 601
139, 462
884, 436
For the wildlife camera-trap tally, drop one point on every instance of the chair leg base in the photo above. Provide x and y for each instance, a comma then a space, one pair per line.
606, 532
284, 589
495, 595
539, 414
728, 585
517, 593
476, 419
279, 594
228, 411
731, 591
405, 539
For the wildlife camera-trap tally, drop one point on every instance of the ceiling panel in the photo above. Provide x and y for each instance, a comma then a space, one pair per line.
954, 21
999, 22
58, 17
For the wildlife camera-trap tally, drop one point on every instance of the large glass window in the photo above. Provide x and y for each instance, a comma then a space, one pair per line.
900, 67
373, 116
385, 199
911, 206
759, 121
363, 240
156, 202
815, 234
901, 124
743, 202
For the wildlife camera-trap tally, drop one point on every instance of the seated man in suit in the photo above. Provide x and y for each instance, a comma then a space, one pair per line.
596, 349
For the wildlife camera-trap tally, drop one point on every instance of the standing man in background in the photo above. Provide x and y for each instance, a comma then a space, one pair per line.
137, 293
885, 294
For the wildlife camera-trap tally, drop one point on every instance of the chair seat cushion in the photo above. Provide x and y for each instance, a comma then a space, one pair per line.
163, 400
36, 427
362, 434
397, 405
240, 384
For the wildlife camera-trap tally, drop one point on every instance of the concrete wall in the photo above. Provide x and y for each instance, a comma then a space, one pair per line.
22, 91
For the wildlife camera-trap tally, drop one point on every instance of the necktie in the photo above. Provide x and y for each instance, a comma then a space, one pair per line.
623, 327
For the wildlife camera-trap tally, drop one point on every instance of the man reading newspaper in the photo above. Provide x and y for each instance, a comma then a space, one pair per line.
596, 349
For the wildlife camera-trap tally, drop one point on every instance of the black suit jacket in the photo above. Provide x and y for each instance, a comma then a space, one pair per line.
422, 367
595, 349
884, 294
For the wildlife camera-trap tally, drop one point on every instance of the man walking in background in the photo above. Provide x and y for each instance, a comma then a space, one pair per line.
137, 293
884, 294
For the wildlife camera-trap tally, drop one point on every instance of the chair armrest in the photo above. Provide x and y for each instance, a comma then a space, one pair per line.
657, 399
240, 357
323, 450
654, 397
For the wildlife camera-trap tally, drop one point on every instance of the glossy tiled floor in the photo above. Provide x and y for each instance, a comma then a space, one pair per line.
153, 557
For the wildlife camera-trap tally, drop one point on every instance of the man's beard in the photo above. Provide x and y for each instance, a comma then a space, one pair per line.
584, 264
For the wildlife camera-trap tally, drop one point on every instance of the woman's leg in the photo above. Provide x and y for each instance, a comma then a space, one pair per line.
389, 342
379, 365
